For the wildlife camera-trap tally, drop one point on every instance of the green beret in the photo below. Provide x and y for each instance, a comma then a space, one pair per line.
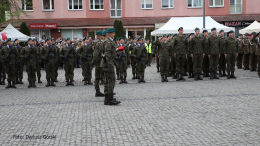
192, 34
188, 36
147, 39
104, 33
86, 37
197, 28
231, 31
246, 34
174, 34
15, 40
204, 31
68, 38
9, 39
240, 35
253, 33
48, 38
110, 30
221, 31
213, 29
29, 39
139, 38
33, 39
134, 37
122, 38
118, 38
99, 32
180, 28
52, 39
202, 35
168, 35
164, 35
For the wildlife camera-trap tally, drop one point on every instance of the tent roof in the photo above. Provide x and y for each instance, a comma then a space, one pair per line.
13, 33
189, 24
254, 27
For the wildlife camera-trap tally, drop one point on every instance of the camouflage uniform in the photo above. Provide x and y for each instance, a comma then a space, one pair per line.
206, 58
231, 50
98, 50
19, 65
57, 61
173, 63
240, 54
197, 49
141, 63
214, 44
38, 64
133, 60
2, 68
189, 60
245, 43
156, 51
222, 60
122, 64
252, 50
256, 40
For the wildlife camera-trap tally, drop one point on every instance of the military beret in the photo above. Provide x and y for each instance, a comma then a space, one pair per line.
221, 31
135, 37
202, 35
104, 33
29, 39
84, 39
164, 35
246, 34
253, 33
68, 38
52, 39
48, 38
118, 38
192, 34
204, 31
231, 31
99, 32
15, 40
188, 36
9, 39
174, 34
110, 30
168, 35
139, 38
240, 35
33, 39
122, 38
213, 29
197, 28
147, 39
180, 28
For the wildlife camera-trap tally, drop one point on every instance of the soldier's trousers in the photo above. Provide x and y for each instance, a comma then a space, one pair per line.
157, 62
231, 62
31, 71
140, 68
190, 64
56, 69
164, 65
258, 61
246, 60
213, 62
11, 71
253, 61
197, 63
186, 66
69, 70
180, 63
19, 73
222, 62
123, 68
50, 70
239, 60
38, 70
2, 71
206, 64
98, 75
109, 82
133, 65
173, 66
86, 69
149, 58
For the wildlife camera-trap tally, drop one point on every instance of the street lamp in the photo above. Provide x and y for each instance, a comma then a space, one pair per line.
204, 14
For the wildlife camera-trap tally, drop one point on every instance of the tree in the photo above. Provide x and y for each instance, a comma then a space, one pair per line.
118, 25
148, 35
25, 29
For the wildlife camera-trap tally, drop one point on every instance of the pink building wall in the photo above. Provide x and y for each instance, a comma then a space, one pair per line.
253, 7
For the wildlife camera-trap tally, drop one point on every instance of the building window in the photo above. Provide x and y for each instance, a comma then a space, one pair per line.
147, 4
235, 6
27, 5
115, 8
216, 3
75, 5
194, 3
48, 5
96, 4
167, 3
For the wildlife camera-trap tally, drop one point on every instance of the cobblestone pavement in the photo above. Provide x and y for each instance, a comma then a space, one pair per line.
218, 112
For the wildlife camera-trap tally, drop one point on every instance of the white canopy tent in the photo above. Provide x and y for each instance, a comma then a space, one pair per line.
189, 24
254, 27
13, 33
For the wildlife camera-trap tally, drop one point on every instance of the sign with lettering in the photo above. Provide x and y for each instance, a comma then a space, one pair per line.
43, 25
237, 23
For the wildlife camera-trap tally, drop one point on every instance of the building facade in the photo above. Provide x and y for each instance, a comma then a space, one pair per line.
70, 18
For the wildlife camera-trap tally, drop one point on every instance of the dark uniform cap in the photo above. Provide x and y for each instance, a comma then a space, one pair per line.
118, 38
246, 34
33, 39
197, 28
48, 38
104, 33
9, 39
192, 34
221, 31
52, 39
139, 38
68, 38
174, 34
164, 35
180, 28
99, 32
204, 31
29, 39
213, 29
231, 31
110, 30
240, 35
253, 33
15, 40
84, 39
188, 36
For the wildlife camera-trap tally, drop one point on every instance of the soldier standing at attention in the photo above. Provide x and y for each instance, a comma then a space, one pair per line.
38, 63
240, 52
231, 51
118, 41
252, 50
165, 51
85, 53
140, 53
180, 54
133, 59
57, 49
256, 40
123, 59
19, 63
107, 65
214, 44
197, 53
30, 55
246, 52
49, 56
173, 63
10, 56
98, 51
2, 68
68, 54
190, 63
206, 58
156, 56
222, 60
148, 46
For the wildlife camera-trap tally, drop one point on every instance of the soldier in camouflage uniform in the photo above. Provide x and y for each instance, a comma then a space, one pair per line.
231, 51
2, 67
30, 55
222, 60
156, 52
57, 49
190, 63
49, 55
133, 60
19, 63
38, 62
206, 58
173, 62
252, 50
180, 54
123, 60
68, 55
141, 55
197, 53
10, 56
85, 53
240, 52
107, 65
256, 39
214, 44
118, 40
246, 52
97, 56
165, 52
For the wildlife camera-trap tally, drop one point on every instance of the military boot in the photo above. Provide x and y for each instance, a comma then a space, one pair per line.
0, 81
48, 83
3, 82
185, 74
233, 75
224, 73
39, 80
165, 78
85, 81
9, 85
216, 76
143, 79
117, 77
101, 81
178, 77
212, 75
133, 77
89, 82
190, 74
173, 76
30, 84
125, 80
228, 76
121, 80
16, 81
21, 81
162, 78
71, 83
106, 99
52, 83
196, 77
33, 84
220, 73
139, 79
99, 94
182, 78
67, 83
158, 70
112, 101
13, 84
199, 77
